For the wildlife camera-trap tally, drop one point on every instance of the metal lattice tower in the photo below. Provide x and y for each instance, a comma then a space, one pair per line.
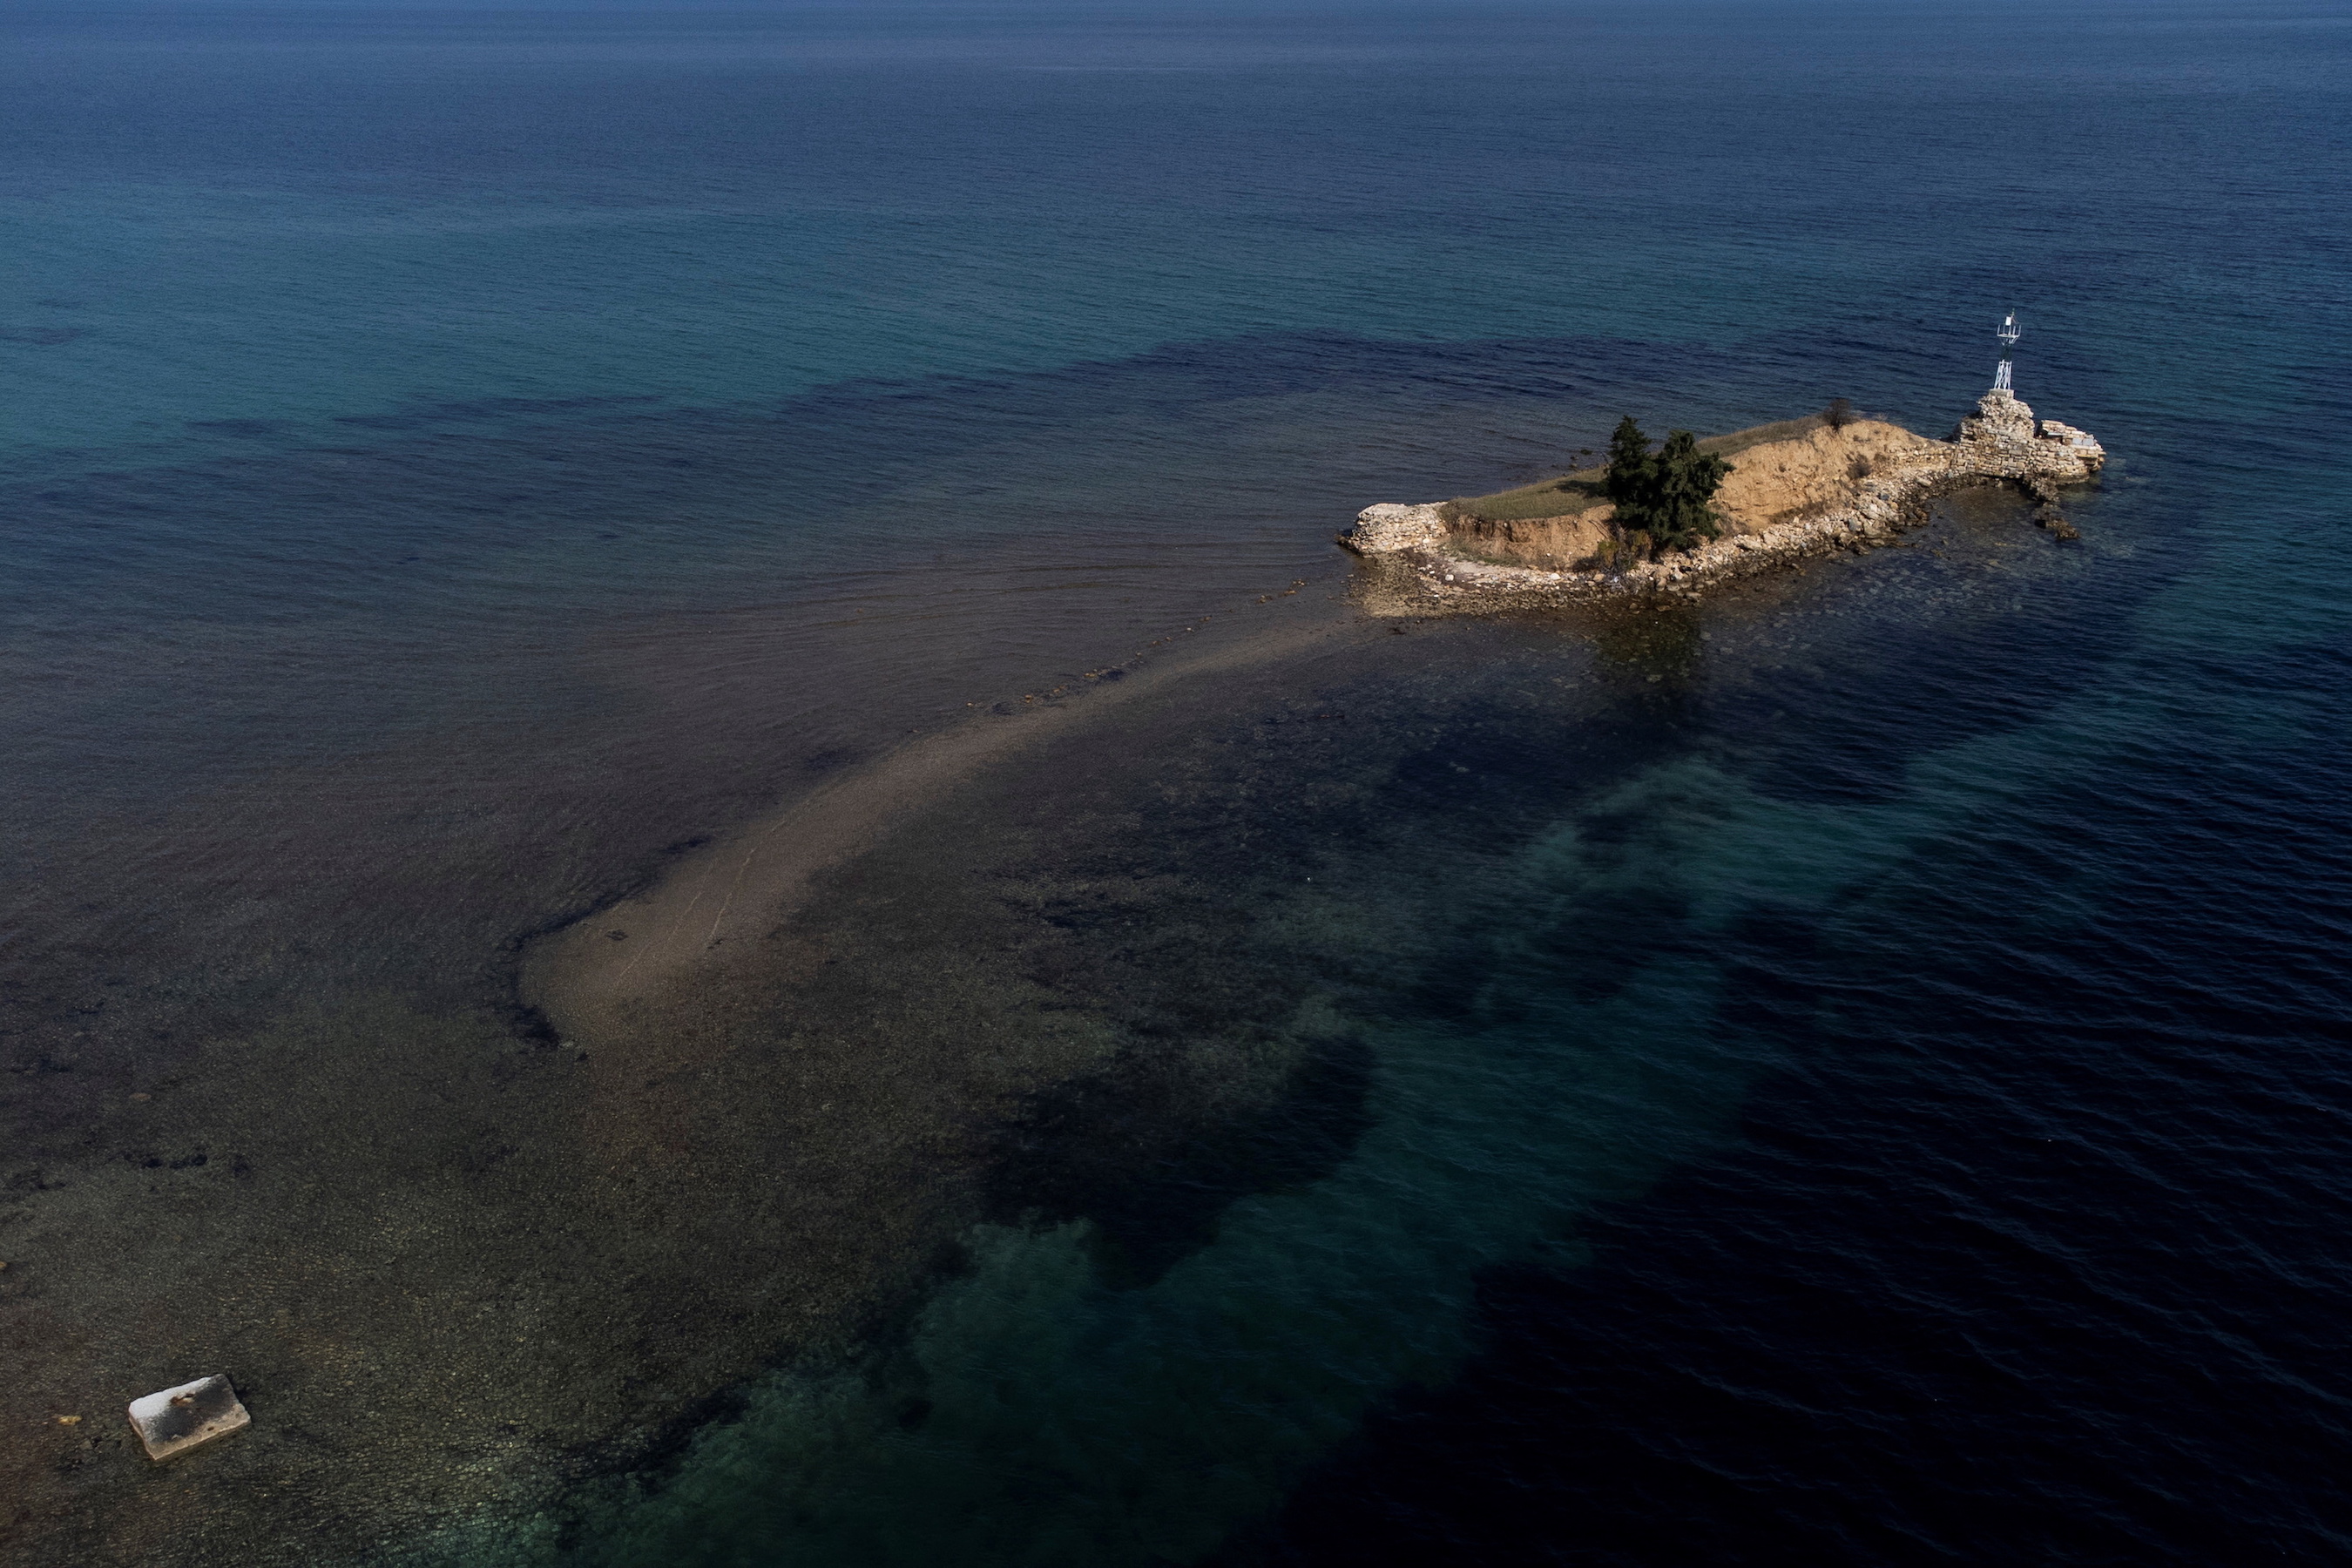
2007, 336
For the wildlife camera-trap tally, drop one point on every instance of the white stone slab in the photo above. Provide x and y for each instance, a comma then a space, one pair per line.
179, 1418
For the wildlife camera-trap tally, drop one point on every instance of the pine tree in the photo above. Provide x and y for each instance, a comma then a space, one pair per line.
1663, 496
1688, 479
1629, 464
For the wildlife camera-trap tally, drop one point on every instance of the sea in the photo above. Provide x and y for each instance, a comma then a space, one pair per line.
1857, 1070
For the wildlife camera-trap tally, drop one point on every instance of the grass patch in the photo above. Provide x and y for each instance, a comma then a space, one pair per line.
1567, 494
1756, 435
1562, 496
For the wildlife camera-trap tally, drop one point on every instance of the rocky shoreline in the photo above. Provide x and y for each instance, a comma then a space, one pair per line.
1777, 507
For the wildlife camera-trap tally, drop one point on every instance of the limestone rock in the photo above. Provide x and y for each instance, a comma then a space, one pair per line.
1388, 527
2000, 417
2003, 440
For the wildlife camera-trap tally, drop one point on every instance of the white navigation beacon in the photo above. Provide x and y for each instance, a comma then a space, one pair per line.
2008, 335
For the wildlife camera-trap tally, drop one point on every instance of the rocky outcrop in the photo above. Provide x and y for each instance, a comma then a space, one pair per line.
2003, 440
1388, 527
1784, 500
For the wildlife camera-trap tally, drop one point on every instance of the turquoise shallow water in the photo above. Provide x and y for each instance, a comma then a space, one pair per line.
1763, 1086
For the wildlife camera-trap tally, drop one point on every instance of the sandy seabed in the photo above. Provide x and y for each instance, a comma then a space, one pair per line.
458, 1262
1091, 954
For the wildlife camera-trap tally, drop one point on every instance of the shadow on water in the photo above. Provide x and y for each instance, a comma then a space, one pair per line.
1661, 641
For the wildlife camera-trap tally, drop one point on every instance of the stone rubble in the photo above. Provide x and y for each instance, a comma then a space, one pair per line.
2001, 441
1390, 526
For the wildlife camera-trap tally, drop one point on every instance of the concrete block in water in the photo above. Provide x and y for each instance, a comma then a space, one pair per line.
180, 1418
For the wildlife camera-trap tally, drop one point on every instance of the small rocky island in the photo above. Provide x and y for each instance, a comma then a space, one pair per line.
1806, 486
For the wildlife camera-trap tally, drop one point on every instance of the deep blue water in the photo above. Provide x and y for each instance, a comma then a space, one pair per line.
1853, 1076
2022, 1259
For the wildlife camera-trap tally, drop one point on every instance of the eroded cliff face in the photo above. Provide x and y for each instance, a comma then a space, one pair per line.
1542, 542
1830, 489
1769, 484
1820, 472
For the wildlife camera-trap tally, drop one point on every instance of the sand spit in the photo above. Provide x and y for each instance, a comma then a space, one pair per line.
457, 1270
586, 977
1834, 487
